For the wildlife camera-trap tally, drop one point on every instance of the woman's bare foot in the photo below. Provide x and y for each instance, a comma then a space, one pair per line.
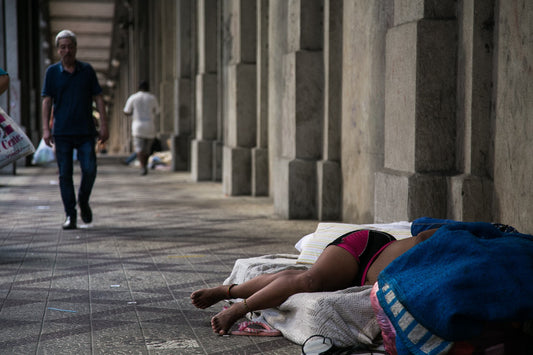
209, 296
222, 322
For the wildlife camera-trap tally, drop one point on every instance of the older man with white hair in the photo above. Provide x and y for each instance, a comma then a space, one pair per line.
69, 89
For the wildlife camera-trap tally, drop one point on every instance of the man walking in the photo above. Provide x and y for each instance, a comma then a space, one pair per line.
143, 106
70, 87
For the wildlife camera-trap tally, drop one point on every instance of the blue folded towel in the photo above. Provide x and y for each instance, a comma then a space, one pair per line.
465, 275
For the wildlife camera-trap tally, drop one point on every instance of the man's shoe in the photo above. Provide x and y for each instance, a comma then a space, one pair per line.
86, 213
144, 171
70, 223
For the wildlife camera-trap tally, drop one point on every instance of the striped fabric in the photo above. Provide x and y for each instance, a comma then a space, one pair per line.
412, 335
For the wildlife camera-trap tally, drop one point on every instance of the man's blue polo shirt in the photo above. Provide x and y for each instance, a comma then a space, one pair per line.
72, 97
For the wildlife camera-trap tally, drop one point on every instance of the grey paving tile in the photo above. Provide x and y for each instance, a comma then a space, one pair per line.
122, 285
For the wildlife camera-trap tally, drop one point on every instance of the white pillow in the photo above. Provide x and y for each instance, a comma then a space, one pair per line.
313, 244
300, 244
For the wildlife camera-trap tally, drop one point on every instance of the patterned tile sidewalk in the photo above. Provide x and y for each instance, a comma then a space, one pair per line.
122, 285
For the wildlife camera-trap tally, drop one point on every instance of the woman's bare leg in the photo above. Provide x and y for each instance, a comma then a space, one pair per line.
335, 269
207, 297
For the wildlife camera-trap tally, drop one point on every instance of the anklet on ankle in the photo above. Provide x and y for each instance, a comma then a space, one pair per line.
246, 308
229, 290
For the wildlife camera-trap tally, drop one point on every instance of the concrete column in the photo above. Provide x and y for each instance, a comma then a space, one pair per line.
513, 128
155, 46
120, 140
181, 140
419, 111
12, 59
218, 145
329, 177
240, 87
137, 36
142, 41
206, 91
260, 171
167, 87
471, 191
124, 74
206, 129
3, 49
365, 25
296, 102
11, 66
184, 110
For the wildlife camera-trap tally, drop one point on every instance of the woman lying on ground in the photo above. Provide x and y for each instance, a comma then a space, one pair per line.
353, 259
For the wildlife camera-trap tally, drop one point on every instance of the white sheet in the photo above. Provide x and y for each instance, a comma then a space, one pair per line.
345, 316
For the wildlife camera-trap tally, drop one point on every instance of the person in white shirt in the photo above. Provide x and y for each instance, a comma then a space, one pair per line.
143, 106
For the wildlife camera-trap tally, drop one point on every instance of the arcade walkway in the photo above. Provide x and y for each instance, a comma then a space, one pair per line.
122, 285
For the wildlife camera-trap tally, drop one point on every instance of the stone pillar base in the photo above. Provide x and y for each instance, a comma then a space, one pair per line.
260, 179
206, 106
218, 148
470, 198
295, 192
236, 178
201, 160
180, 153
403, 196
329, 190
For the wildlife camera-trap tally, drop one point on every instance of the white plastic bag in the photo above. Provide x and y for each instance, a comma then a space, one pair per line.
43, 155
14, 144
